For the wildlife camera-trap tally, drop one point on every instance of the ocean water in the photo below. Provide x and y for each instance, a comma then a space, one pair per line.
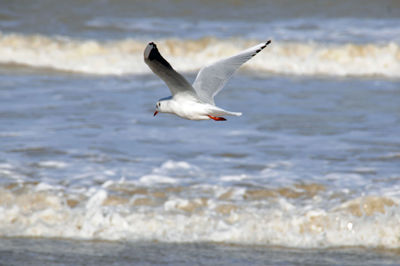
309, 174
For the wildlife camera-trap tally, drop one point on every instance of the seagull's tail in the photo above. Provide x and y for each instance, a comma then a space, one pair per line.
222, 112
235, 113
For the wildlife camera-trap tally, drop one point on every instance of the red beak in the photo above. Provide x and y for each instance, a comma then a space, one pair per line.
155, 113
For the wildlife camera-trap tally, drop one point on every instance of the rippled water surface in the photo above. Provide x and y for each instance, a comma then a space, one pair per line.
312, 165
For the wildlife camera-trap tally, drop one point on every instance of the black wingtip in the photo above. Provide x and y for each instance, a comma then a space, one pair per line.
261, 48
151, 53
265, 45
151, 46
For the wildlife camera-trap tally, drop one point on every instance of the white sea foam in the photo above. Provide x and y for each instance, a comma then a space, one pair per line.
228, 178
169, 173
227, 215
176, 165
156, 179
52, 164
126, 56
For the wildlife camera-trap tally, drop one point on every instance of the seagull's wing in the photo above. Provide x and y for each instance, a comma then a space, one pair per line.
212, 78
175, 81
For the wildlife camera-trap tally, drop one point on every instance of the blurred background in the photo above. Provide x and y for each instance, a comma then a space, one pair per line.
314, 162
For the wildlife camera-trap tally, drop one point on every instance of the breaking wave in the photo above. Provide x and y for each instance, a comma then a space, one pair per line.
119, 210
120, 57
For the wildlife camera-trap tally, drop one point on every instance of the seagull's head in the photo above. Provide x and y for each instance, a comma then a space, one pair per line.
163, 106
158, 108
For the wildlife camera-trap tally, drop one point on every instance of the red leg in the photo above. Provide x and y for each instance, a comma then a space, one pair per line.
217, 118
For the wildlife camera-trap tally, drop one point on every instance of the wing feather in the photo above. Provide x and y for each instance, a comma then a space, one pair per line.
175, 81
212, 78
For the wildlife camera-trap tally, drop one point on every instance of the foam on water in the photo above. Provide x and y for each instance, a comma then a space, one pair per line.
126, 56
295, 216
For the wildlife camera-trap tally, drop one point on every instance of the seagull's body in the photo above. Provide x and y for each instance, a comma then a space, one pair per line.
196, 102
190, 107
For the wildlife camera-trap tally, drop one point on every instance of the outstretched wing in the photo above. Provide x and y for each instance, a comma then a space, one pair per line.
212, 78
175, 81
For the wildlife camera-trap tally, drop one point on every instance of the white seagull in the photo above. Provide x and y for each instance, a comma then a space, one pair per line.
196, 102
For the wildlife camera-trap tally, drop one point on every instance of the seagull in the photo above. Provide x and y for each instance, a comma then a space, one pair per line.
196, 101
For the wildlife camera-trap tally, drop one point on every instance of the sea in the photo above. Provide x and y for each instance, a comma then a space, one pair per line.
308, 175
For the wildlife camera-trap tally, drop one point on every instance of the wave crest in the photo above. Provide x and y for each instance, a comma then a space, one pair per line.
124, 211
126, 56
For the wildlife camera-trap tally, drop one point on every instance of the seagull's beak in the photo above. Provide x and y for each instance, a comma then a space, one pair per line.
155, 113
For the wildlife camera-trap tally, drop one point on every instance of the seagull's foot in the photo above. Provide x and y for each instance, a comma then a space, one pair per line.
217, 118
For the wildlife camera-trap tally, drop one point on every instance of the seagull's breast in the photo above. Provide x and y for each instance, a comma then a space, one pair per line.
190, 108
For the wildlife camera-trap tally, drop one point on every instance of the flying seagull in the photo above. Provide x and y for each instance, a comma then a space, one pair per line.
196, 101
